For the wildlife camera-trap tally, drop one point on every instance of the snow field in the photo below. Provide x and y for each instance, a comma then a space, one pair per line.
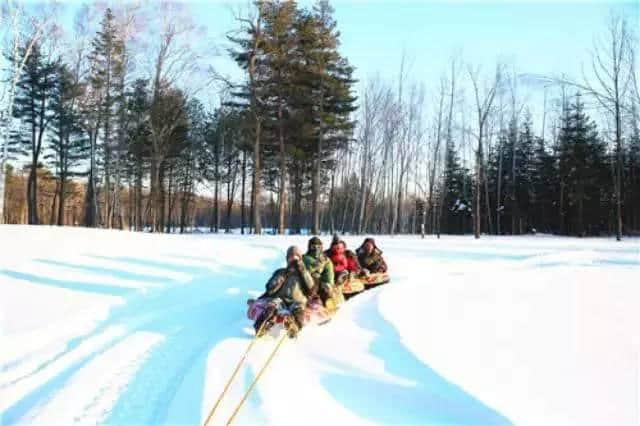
110, 327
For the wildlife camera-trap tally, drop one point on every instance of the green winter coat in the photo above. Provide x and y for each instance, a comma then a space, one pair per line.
320, 267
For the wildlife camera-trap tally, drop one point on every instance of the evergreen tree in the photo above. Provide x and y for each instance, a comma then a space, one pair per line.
188, 164
280, 42
582, 168
632, 173
328, 79
138, 143
457, 203
33, 102
497, 175
248, 53
107, 68
525, 170
69, 146
545, 185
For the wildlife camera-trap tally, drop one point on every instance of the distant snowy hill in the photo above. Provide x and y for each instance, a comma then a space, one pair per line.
110, 327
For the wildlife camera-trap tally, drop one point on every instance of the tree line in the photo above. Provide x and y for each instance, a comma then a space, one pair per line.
93, 140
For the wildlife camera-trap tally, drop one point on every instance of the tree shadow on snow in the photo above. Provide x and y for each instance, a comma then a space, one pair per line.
108, 272
192, 317
433, 399
105, 289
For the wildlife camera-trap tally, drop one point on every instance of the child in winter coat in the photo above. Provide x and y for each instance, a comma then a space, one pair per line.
321, 269
353, 266
370, 257
339, 259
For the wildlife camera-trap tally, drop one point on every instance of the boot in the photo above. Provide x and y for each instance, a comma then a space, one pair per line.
330, 304
267, 315
292, 329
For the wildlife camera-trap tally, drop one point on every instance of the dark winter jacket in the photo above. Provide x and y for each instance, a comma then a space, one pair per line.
292, 285
373, 262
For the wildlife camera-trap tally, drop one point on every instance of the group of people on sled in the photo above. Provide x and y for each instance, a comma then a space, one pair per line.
316, 277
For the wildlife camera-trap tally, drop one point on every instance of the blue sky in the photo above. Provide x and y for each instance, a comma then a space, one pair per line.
539, 37
543, 37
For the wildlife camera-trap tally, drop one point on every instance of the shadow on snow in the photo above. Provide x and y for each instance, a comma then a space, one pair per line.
433, 399
192, 317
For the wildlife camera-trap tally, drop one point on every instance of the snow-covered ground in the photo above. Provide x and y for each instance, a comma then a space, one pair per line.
108, 327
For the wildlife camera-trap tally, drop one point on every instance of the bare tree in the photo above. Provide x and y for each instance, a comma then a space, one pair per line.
173, 59
612, 66
21, 30
484, 102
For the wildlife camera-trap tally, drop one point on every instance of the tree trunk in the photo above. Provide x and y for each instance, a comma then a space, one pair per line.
138, 196
318, 162
488, 204
61, 200
230, 194
52, 216
32, 201
476, 213
499, 194
618, 168
282, 190
216, 206
244, 178
156, 205
170, 194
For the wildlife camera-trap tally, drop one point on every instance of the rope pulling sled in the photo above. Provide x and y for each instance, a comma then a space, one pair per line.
285, 318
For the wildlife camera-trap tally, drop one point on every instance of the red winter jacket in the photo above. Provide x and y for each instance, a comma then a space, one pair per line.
338, 258
353, 265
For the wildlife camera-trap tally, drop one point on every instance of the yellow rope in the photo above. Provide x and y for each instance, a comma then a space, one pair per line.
255, 381
235, 371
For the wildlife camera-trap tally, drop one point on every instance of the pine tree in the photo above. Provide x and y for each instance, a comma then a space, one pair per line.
582, 168
69, 146
632, 173
107, 68
327, 78
456, 204
497, 175
138, 146
525, 170
544, 183
188, 164
280, 42
33, 107
248, 52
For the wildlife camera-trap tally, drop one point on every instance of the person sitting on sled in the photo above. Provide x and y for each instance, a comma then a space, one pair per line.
321, 270
370, 257
288, 288
353, 266
345, 262
339, 260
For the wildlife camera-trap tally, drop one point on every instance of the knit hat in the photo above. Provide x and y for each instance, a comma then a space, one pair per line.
293, 250
315, 241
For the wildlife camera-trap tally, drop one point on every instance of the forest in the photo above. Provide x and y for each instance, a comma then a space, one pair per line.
105, 125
